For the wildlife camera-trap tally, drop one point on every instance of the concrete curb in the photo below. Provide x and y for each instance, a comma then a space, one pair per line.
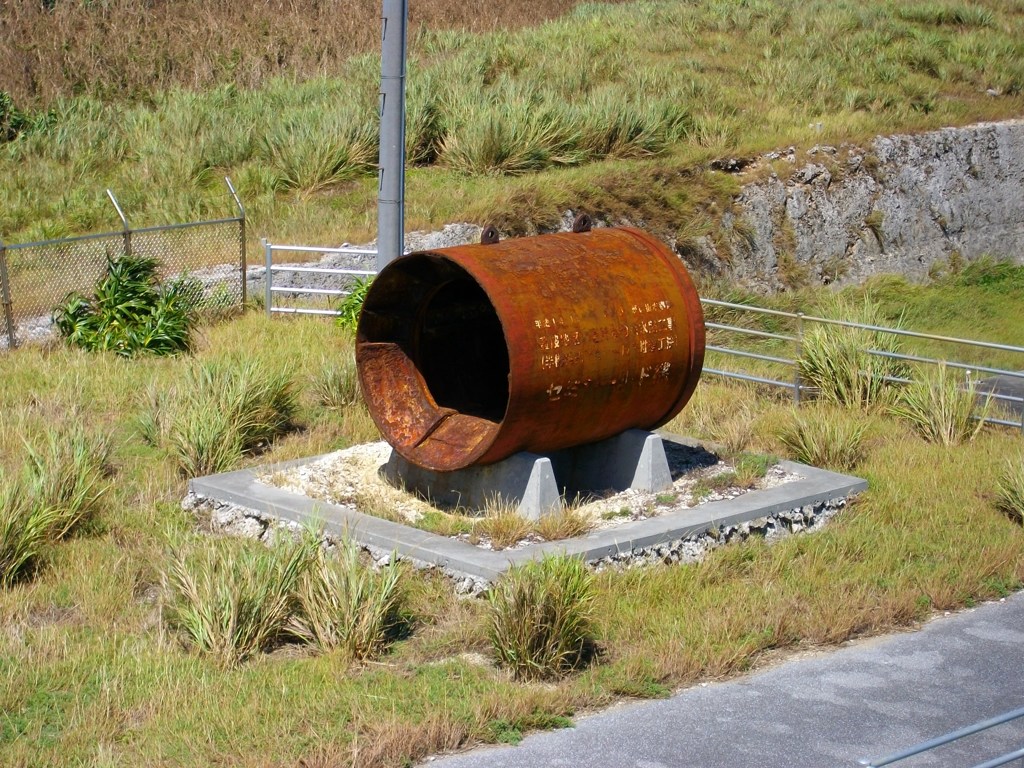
816, 486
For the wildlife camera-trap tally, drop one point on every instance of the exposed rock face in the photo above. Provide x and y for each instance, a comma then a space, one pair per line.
904, 204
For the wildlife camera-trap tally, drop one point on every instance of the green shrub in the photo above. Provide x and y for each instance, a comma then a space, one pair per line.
226, 409
130, 311
940, 406
824, 437
233, 600
541, 617
352, 304
1010, 490
58, 489
345, 604
837, 362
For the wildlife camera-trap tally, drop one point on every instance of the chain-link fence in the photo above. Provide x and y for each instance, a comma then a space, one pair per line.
36, 277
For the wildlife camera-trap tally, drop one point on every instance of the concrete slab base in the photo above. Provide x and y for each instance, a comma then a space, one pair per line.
537, 484
816, 489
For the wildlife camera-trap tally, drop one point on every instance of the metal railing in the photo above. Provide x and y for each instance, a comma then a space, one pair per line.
800, 323
939, 741
35, 277
340, 278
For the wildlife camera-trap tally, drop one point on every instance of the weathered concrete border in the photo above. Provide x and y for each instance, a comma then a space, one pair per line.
816, 487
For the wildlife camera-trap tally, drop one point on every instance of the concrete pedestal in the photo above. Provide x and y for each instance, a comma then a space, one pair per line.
537, 484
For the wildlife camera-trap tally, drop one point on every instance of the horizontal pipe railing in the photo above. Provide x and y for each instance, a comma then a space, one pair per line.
866, 327
749, 331
322, 270
948, 738
753, 355
750, 377
305, 311
341, 250
312, 291
272, 290
947, 363
794, 384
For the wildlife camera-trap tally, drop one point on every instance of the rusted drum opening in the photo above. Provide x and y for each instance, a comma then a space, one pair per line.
433, 357
460, 350
469, 354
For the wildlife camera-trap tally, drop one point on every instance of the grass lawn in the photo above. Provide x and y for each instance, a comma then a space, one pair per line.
91, 673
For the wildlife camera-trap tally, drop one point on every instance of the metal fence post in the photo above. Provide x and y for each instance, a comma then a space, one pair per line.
797, 381
5, 298
241, 237
124, 222
268, 284
391, 178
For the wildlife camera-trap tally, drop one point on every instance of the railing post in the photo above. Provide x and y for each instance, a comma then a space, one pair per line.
5, 298
797, 381
243, 265
124, 223
268, 281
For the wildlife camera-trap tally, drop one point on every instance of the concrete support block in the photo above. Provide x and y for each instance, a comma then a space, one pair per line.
535, 484
632, 459
524, 479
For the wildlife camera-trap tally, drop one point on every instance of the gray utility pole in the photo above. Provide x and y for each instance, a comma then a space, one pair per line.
391, 190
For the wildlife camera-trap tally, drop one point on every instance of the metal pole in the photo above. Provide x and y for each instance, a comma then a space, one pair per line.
797, 381
5, 297
268, 253
391, 179
124, 222
241, 237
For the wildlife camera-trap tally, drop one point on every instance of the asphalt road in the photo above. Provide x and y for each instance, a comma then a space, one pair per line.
865, 700
1011, 386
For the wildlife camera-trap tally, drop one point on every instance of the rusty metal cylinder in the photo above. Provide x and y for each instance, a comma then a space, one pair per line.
469, 354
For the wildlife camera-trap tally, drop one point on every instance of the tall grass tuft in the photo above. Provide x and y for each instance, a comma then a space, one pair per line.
1010, 490
941, 407
343, 603
315, 149
336, 384
502, 524
58, 490
67, 476
836, 360
232, 600
24, 530
566, 523
228, 408
826, 437
541, 617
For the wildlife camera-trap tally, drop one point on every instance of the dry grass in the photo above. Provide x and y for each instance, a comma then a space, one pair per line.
941, 407
826, 437
501, 525
1010, 490
131, 48
541, 617
568, 522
